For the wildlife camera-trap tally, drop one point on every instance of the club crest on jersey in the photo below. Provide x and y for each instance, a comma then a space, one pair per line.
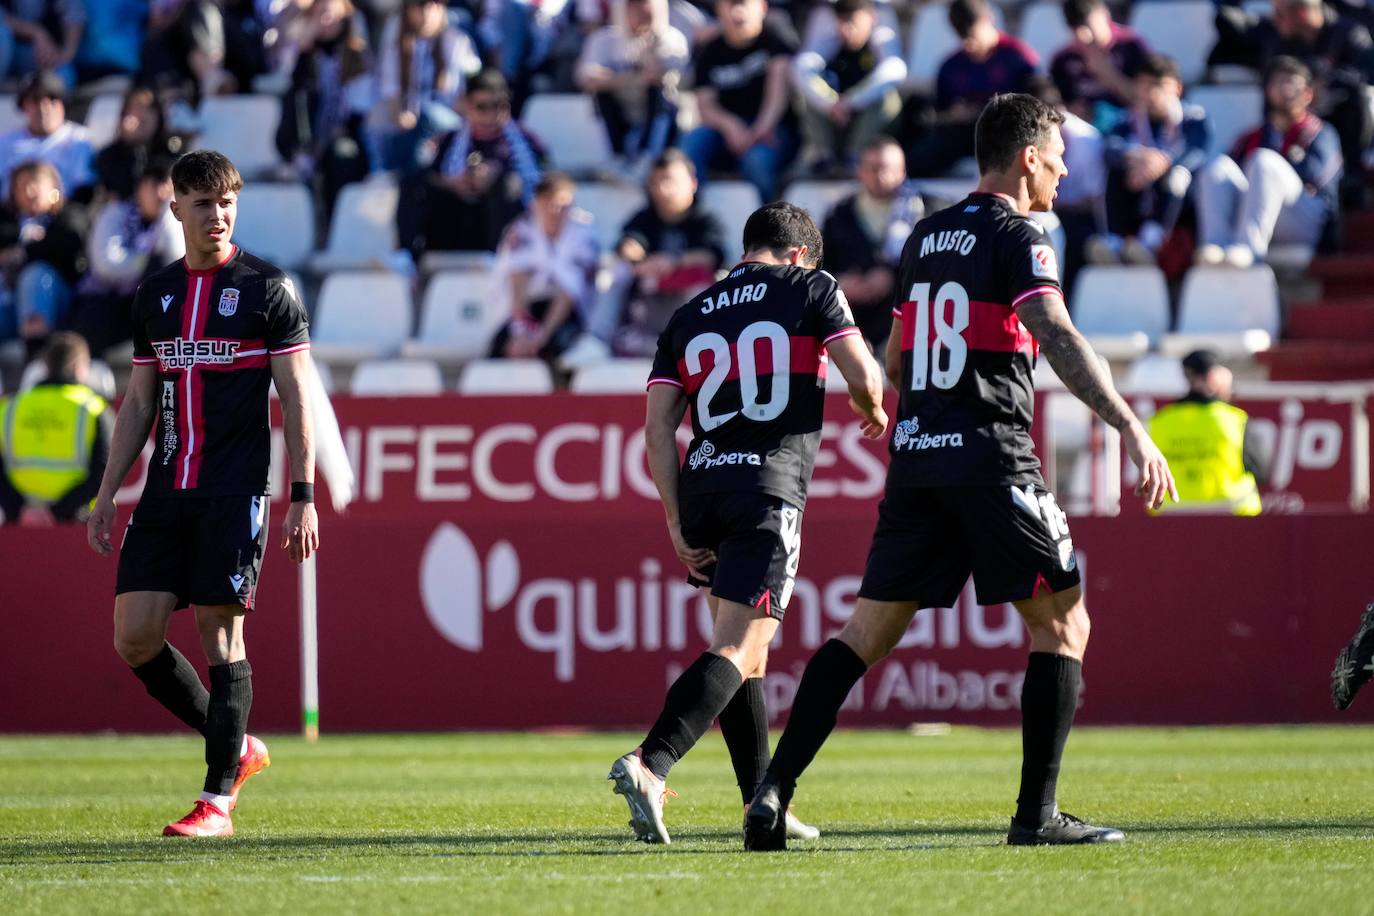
1043, 262
228, 302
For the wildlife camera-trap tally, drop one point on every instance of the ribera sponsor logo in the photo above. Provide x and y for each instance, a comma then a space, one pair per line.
908, 437
705, 458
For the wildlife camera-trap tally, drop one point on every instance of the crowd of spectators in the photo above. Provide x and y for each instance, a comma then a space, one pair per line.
688, 91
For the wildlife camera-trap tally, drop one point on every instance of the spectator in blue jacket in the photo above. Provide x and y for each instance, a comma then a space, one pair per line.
1151, 158
1281, 183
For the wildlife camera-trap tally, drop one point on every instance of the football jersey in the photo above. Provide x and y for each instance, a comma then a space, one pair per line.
750, 354
212, 334
966, 394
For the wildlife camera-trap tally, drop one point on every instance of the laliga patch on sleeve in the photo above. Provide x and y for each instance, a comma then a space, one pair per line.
1043, 263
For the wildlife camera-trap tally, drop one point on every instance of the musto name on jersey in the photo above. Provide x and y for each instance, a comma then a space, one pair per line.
960, 240
181, 353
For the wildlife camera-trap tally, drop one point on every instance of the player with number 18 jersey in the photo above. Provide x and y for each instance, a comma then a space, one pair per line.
961, 452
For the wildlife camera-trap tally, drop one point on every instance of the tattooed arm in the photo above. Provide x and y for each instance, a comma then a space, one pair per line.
1074, 361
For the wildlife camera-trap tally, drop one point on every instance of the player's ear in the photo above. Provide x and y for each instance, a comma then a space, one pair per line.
175, 211
1030, 158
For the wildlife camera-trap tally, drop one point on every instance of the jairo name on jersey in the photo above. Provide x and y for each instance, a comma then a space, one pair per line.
751, 292
181, 353
960, 240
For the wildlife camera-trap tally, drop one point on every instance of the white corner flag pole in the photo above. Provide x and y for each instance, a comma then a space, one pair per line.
310, 654
331, 457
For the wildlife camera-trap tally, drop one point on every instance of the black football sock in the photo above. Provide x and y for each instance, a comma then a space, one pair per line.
1049, 697
692, 704
172, 681
744, 726
226, 720
830, 675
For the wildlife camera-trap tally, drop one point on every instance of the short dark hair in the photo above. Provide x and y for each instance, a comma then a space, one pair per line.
62, 353
1287, 65
1010, 123
878, 142
1160, 67
846, 8
674, 156
205, 170
779, 226
554, 181
1076, 12
489, 79
964, 13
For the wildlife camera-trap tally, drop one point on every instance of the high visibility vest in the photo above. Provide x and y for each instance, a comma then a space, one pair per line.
1205, 445
46, 437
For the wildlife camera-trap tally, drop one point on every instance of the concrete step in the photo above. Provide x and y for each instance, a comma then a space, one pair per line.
1335, 320
1314, 360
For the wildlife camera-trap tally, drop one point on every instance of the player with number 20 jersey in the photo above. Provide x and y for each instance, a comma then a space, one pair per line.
749, 358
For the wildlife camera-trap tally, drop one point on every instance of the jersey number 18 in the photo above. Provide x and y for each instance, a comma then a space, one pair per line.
948, 346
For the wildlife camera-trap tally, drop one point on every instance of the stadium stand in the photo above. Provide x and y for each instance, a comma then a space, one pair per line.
102, 119
929, 41
1044, 29
568, 127
362, 233
361, 315
397, 378
244, 128
617, 376
506, 376
1183, 29
1123, 311
732, 202
277, 222
611, 206
459, 315
1233, 110
1235, 312
818, 197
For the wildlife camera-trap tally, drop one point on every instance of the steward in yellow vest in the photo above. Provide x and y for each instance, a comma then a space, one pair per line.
1204, 439
54, 440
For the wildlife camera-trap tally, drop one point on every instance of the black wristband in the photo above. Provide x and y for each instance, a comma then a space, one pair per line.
302, 492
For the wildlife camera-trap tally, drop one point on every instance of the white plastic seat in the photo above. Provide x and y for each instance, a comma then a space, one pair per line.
1233, 111
397, 377
244, 128
1222, 299
567, 125
819, 197
1183, 29
930, 40
611, 206
616, 376
361, 315
1123, 311
459, 315
277, 222
362, 232
506, 376
102, 119
1044, 29
11, 118
433, 262
731, 202
950, 190
1153, 374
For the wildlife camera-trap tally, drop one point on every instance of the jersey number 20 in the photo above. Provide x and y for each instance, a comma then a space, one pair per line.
780, 347
949, 346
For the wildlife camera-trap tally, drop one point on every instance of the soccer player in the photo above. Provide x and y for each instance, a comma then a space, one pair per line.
749, 357
1355, 665
211, 332
979, 288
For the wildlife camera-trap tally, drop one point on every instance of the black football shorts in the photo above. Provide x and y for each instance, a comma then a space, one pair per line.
205, 550
1013, 540
757, 541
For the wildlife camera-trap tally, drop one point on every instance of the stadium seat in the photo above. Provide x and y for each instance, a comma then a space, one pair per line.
611, 206
946, 191
362, 233
1183, 29
731, 202
616, 376
1155, 375
506, 376
361, 315
244, 128
1044, 29
397, 377
433, 262
1232, 109
1235, 312
819, 197
567, 125
11, 118
1123, 311
277, 222
930, 40
459, 315
102, 119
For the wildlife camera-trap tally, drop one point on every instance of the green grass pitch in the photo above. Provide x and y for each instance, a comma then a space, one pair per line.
1232, 821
